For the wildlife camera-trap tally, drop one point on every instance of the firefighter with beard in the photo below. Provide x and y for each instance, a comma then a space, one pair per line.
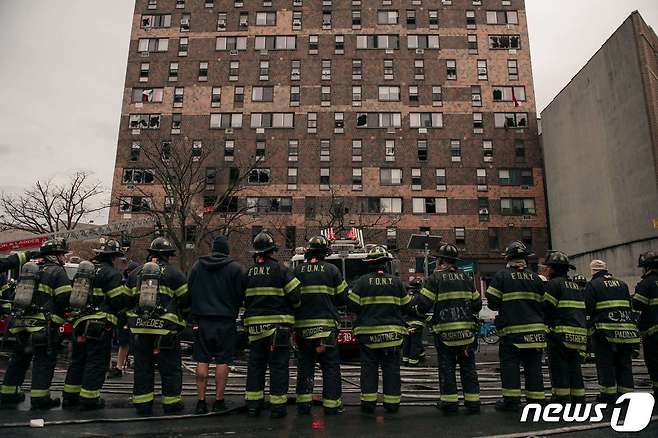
412, 348
39, 304
380, 302
645, 301
13, 262
614, 329
271, 297
98, 296
316, 324
564, 306
160, 301
454, 301
517, 294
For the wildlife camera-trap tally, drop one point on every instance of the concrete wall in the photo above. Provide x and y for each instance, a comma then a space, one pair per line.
598, 152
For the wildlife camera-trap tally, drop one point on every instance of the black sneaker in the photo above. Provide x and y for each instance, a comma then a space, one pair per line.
45, 403
173, 408
98, 403
114, 373
278, 413
304, 408
201, 407
219, 406
505, 406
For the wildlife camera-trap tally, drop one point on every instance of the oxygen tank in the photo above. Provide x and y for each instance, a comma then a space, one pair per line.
82, 285
28, 283
149, 282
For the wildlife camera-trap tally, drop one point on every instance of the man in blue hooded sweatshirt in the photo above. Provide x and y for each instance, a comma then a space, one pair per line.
217, 290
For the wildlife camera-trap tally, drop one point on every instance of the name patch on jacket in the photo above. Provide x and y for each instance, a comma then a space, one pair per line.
149, 323
380, 281
534, 338
383, 337
522, 276
257, 329
453, 276
456, 335
259, 270
575, 339
312, 268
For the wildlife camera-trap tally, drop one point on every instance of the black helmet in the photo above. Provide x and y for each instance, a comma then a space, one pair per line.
263, 243
110, 247
318, 244
161, 246
53, 247
558, 258
378, 254
517, 250
580, 279
448, 252
648, 259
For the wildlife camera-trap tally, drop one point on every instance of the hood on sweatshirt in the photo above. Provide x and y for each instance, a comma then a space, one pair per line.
215, 261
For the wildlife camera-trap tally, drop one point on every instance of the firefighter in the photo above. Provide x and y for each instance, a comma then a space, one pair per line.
564, 306
316, 327
645, 301
98, 296
412, 347
517, 294
38, 307
454, 301
160, 302
271, 297
614, 331
380, 302
13, 262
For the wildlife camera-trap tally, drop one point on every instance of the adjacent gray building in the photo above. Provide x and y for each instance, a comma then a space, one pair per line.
600, 143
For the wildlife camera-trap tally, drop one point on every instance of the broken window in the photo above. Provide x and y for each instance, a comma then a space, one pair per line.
504, 42
259, 176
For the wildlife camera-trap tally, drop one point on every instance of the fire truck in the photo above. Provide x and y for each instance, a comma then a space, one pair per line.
349, 256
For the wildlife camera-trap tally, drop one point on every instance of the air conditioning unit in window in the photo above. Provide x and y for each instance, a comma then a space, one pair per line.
390, 130
130, 186
420, 51
527, 218
525, 188
228, 131
233, 52
144, 54
264, 52
389, 51
483, 211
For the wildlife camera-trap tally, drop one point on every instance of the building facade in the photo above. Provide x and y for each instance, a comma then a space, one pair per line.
407, 116
600, 142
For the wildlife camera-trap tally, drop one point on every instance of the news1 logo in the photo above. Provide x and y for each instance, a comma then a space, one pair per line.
638, 412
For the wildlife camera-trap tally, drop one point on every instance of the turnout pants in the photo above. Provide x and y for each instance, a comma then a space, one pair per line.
389, 361
566, 373
329, 364
651, 359
449, 358
43, 360
89, 364
614, 366
412, 348
511, 358
263, 354
168, 360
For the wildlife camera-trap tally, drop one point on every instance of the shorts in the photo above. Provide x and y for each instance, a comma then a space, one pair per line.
214, 341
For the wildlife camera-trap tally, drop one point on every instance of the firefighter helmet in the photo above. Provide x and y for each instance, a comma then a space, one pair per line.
580, 280
558, 258
82, 285
161, 246
28, 282
53, 247
318, 244
263, 243
110, 247
448, 252
149, 285
648, 259
378, 254
517, 250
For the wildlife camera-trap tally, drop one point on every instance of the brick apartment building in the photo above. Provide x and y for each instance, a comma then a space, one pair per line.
417, 115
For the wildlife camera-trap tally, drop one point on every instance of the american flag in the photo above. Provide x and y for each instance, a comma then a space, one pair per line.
329, 234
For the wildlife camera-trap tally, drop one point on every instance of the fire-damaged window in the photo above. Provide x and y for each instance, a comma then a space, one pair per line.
135, 204
269, 205
138, 176
147, 95
260, 176
511, 120
144, 121
498, 42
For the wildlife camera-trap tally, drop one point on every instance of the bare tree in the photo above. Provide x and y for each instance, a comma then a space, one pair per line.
48, 207
187, 201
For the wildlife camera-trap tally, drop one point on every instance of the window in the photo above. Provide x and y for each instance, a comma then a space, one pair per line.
152, 45
515, 177
502, 17
244, 20
264, 70
494, 239
265, 18
326, 20
262, 94
356, 95
472, 42
295, 70
519, 150
510, 120
339, 44
272, 120
388, 42
526, 237
176, 123
483, 73
389, 150
478, 123
155, 21
481, 179
416, 179
229, 150
476, 95
135, 149
238, 95
433, 19
440, 179
269, 205
152, 4
228, 205
165, 150
388, 69
421, 146
460, 235
325, 95
391, 238
197, 150
135, 204
313, 44
292, 178
216, 97
413, 94
378, 120
179, 93
512, 70
426, 120
411, 18
383, 205
259, 176
203, 71
211, 176
509, 94
183, 46
185, 23
144, 121
294, 95
470, 20
138, 176
389, 93
234, 71
312, 123
326, 69
278, 42
357, 150
357, 69
309, 207
180, 4
297, 20
451, 69
517, 206
325, 179
225, 120
437, 95
260, 149
455, 150
291, 237
422, 41
390, 177
357, 179
430, 205
325, 150
144, 68
293, 150
504, 42
147, 95
387, 17
231, 43
356, 19
483, 209
339, 123
221, 21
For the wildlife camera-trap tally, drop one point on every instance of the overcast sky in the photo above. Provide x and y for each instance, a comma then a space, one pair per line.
64, 62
